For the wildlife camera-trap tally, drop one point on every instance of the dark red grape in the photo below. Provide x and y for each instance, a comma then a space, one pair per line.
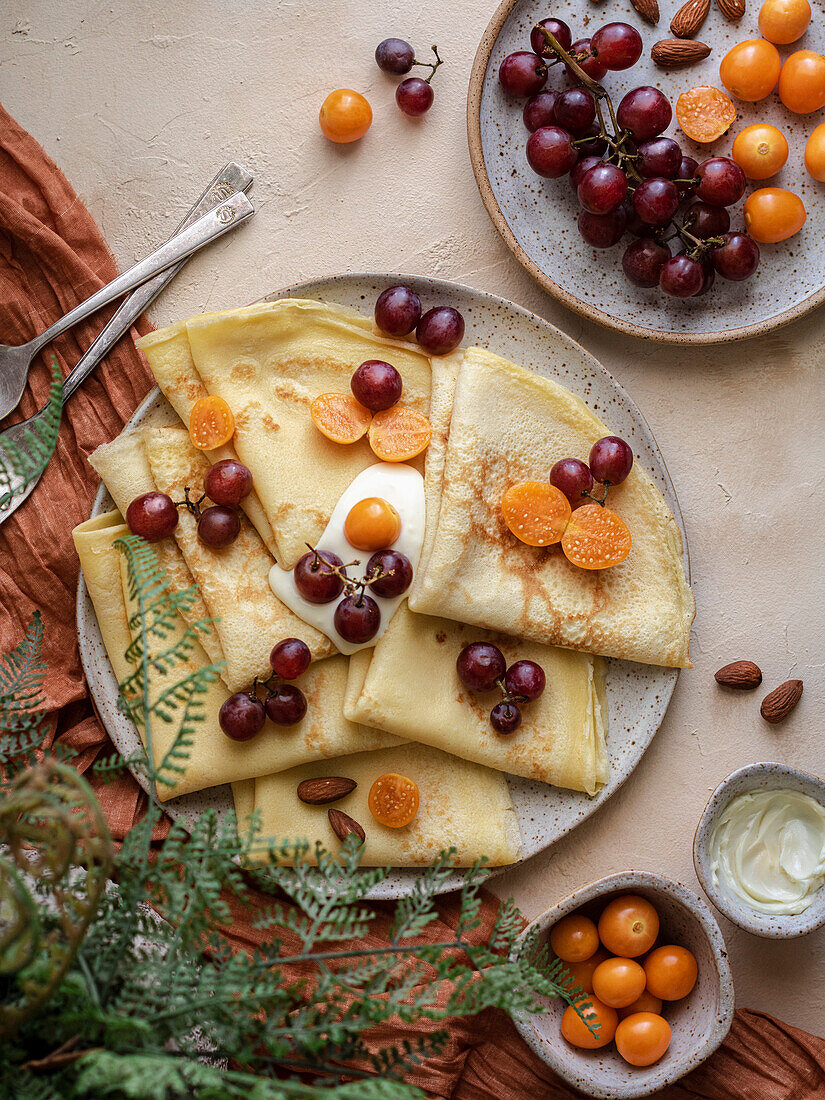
656, 200
708, 275
357, 618
574, 478
394, 55
522, 74
737, 258
414, 96
617, 45
377, 385
440, 330
686, 175
550, 152
611, 460
704, 220
480, 665
721, 181
525, 678
285, 705
539, 110
241, 716
582, 165
681, 277
398, 310
505, 718
218, 527
153, 516
398, 571
290, 658
560, 31
602, 230
634, 222
660, 156
228, 482
595, 146
645, 112
314, 578
643, 261
587, 62
602, 188
575, 110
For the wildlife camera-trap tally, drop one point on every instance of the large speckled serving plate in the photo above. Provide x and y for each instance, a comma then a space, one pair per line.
537, 217
638, 695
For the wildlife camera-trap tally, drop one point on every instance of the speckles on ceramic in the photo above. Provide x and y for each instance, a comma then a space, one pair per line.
766, 776
638, 695
700, 1022
537, 217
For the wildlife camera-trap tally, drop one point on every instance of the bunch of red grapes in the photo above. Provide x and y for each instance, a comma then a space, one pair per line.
627, 176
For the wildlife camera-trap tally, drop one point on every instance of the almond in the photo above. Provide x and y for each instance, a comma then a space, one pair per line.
744, 675
732, 9
648, 9
674, 53
342, 825
326, 788
689, 18
779, 703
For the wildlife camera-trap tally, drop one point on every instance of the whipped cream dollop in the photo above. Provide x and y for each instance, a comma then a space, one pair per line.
768, 850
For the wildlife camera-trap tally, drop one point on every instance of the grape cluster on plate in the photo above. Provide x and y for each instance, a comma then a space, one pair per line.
628, 177
242, 715
481, 667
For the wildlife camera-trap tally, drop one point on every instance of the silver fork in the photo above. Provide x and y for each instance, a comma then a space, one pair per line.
15, 361
232, 179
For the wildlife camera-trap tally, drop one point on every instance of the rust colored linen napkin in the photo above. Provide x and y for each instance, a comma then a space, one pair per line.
52, 256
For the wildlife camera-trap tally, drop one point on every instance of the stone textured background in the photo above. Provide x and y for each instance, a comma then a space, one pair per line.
141, 103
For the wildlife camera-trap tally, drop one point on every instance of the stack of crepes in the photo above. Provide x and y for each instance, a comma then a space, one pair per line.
399, 706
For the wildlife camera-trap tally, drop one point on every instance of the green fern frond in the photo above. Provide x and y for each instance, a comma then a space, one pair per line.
21, 466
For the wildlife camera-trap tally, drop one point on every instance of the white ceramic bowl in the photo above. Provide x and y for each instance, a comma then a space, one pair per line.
766, 776
700, 1022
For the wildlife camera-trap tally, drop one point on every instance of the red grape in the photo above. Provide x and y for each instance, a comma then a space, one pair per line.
285, 705
525, 678
522, 73
480, 665
550, 152
656, 200
708, 275
398, 310
721, 181
228, 482
153, 516
539, 110
602, 188
218, 527
704, 220
560, 31
394, 55
377, 385
643, 261
414, 96
595, 146
290, 658
241, 716
634, 222
617, 45
587, 62
602, 230
505, 717
681, 277
645, 112
574, 478
737, 258
357, 619
611, 460
575, 110
660, 156
398, 572
686, 174
440, 330
582, 165
315, 580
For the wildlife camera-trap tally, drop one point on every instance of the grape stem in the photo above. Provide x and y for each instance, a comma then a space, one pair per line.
193, 507
350, 585
430, 64
598, 500
506, 697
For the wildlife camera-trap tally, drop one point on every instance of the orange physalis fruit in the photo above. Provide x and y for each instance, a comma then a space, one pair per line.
340, 417
596, 538
372, 524
536, 512
393, 800
705, 113
397, 435
211, 423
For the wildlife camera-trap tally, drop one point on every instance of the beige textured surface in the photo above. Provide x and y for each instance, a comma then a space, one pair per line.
141, 104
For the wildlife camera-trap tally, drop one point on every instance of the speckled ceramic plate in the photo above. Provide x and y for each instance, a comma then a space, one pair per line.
638, 695
537, 218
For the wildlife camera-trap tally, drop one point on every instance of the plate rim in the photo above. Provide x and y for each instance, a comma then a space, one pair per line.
590, 312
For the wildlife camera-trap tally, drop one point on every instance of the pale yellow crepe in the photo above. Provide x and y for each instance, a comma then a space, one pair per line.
243, 795
269, 361
462, 805
408, 685
234, 581
214, 757
170, 358
509, 425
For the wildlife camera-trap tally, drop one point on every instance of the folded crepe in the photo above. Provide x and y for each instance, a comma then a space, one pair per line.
233, 582
509, 425
214, 758
269, 361
462, 805
408, 685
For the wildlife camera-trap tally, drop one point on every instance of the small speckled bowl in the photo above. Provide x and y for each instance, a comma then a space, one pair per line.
700, 1022
756, 777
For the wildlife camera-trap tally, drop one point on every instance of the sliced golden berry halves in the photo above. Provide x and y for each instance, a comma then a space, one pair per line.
536, 512
596, 538
340, 417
